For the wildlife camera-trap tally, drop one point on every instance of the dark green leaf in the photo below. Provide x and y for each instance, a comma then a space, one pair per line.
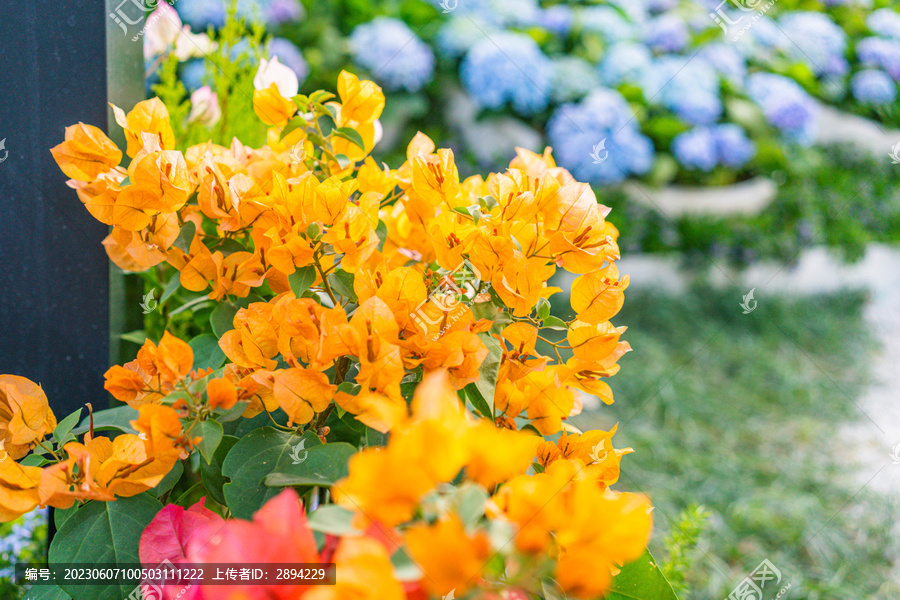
169, 481
60, 515
302, 279
112, 418
185, 237
222, 318
478, 402
212, 473
262, 451
34, 460
171, 287
375, 438
46, 590
382, 232
351, 135
321, 465
103, 532
211, 432
232, 414
641, 580
342, 283
207, 353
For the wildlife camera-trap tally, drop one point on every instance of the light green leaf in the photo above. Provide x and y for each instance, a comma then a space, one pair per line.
333, 519
211, 432
64, 428
351, 135
556, 323
641, 580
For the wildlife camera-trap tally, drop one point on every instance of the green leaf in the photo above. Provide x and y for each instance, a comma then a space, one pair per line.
112, 418
34, 460
468, 502
169, 481
211, 432
463, 210
321, 465
487, 373
222, 318
556, 323
61, 515
103, 532
262, 451
185, 237
543, 308
232, 414
292, 125
342, 283
171, 287
302, 279
351, 135
382, 232
64, 428
138, 336
207, 353
333, 519
313, 231
478, 402
321, 96
211, 473
641, 580
46, 590
375, 438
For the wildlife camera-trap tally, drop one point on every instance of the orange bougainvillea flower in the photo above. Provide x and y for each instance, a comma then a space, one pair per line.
301, 393
450, 558
598, 296
362, 101
497, 455
221, 393
153, 374
18, 490
149, 116
161, 429
86, 153
25, 415
272, 108
363, 572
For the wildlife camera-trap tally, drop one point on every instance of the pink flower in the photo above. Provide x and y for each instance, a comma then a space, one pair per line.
205, 107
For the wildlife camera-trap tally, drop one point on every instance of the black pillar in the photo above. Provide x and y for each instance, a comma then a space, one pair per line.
54, 273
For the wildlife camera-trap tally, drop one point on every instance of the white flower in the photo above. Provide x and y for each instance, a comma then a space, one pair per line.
272, 71
379, 131
192, 45
162, 29
205, 107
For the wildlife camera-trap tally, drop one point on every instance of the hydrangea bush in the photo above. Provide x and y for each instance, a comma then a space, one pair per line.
379, 383
670, 60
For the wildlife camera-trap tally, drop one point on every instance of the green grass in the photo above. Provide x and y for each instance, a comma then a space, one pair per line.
740, 414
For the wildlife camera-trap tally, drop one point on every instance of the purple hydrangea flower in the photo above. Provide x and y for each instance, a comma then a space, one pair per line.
881, 53
813, 38
667, 33
733, 147
785, 104
696, 149
885, 22
688, 87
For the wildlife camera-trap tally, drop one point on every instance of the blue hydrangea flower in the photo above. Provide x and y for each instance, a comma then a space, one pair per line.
785, 104
696, 149
573, 78
608, 23
873, 87
667, 33
284, 11
597, 139
733, 148
557, 19
458, 36
200, 14
885, 22
497, 13
726, 60
193, 74
814, 39
688, 87
625, 62
878, 52
508, 67
288, 54
393, 53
